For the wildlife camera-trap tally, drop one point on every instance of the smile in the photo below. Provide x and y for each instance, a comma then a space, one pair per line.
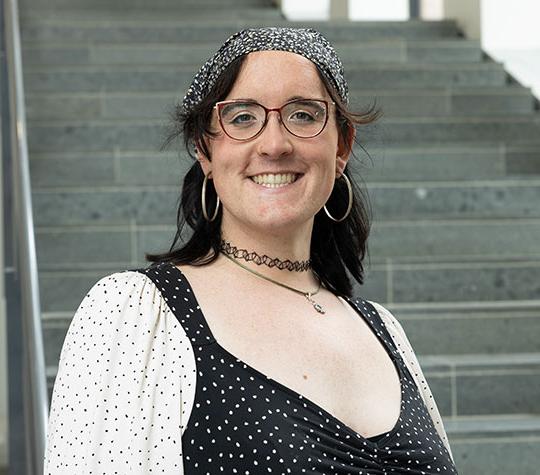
271, 180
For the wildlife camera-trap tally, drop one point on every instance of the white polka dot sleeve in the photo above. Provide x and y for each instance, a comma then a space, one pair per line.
125, 384
406, 350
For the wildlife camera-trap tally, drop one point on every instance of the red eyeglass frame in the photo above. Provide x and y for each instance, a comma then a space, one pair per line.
218, 106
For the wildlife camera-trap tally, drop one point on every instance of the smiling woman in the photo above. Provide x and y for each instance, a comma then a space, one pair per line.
243, 350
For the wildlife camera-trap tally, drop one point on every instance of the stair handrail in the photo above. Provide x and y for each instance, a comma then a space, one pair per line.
25, 259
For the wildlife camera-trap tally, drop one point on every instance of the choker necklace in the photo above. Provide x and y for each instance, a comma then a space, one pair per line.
298, 266
307, 295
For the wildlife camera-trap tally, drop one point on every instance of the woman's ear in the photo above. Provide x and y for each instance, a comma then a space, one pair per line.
345, 145
204, 161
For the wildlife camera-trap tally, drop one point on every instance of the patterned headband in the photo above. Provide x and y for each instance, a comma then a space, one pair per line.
306, 42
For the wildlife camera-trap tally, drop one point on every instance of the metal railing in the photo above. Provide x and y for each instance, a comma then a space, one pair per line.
26, 358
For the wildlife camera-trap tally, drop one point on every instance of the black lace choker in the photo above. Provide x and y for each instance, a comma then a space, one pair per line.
296, 266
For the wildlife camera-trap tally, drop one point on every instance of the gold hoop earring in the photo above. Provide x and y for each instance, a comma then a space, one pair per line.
203, 201
349, 207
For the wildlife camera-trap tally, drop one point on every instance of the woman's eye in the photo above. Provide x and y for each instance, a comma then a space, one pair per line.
302, 116
243, 118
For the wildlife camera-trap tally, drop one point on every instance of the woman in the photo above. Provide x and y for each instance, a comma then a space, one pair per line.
243, 351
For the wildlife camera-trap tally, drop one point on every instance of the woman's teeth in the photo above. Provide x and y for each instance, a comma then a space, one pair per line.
274, 180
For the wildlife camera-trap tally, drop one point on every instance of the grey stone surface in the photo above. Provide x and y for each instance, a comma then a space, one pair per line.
458, 51
157, 205
84, 169
428, 163
397, 103
499, 393
55, 55
518, 457
141, 206
427, 241
470, 331
466, 282
92, 5
390, 164
146, 169
95, 136
523, 161
63, 106
507, 101
149, 134
451, 129
106, 78
375, 286
64, 291
77, 246
174, 28
441, 388
434, 200
474, 428
168, 78
413, 75
166, 53
54, 333
152, 240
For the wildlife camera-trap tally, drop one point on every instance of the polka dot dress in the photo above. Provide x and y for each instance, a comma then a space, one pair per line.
205, 411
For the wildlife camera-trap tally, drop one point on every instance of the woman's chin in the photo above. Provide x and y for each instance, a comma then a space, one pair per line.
272, 221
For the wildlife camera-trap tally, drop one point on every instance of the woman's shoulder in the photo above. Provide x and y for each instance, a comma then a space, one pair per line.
128, 289
125, 360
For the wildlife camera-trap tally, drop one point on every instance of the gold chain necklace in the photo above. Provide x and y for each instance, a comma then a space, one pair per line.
307, 295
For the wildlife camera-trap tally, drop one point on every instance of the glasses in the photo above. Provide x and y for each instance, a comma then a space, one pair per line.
244, 120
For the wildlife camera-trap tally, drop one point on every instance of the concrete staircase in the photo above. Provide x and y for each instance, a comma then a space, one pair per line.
454, 181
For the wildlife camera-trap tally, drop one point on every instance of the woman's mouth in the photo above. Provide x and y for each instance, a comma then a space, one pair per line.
275, 180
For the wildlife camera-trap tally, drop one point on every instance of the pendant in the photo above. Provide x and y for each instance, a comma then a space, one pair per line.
316, 306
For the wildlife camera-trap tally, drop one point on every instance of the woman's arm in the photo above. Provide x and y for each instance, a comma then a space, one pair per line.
118, 404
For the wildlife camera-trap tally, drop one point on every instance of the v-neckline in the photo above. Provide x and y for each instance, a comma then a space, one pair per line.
381, 438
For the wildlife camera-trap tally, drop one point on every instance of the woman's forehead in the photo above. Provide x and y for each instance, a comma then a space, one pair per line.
278, 72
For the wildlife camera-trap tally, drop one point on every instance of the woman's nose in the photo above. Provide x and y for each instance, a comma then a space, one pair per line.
275, 140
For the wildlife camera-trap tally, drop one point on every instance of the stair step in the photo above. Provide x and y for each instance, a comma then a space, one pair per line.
149, 134
63, 287
468, 427
497, 445
106, 6
400, 163
390, 241
150, 79
156, 27
396, 103
482, 327
436, 200
484, 384
452, 161
457, 281
398, 51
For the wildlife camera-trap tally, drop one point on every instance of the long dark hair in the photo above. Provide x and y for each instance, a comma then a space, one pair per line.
336, 247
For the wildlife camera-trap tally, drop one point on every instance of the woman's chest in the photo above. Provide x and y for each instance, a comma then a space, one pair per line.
335, 360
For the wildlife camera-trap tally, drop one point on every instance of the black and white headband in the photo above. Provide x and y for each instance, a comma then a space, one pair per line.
306, 42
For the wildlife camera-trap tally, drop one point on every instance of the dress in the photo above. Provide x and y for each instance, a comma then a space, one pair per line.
159, 395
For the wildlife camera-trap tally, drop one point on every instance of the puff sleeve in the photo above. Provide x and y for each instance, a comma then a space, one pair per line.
125, 384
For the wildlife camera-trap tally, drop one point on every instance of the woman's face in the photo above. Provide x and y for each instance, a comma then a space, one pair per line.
272, 78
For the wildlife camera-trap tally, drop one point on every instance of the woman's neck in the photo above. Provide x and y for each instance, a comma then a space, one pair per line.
291, 246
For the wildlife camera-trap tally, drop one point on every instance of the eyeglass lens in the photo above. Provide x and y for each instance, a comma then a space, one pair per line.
243, 120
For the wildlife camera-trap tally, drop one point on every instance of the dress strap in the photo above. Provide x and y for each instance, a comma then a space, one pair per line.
178, 294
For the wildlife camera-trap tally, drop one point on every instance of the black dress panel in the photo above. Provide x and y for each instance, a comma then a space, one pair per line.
243, 422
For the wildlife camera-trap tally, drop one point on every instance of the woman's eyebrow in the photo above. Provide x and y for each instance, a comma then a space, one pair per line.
291, 98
